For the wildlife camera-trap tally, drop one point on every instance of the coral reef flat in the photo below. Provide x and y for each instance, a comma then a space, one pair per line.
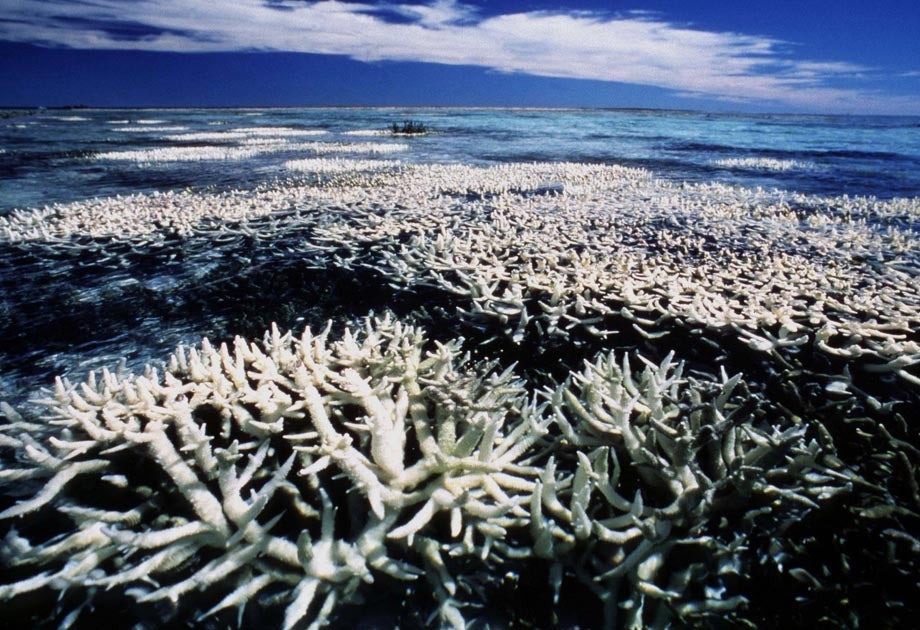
391, 394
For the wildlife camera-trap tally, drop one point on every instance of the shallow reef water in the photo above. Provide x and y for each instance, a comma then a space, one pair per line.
310, 374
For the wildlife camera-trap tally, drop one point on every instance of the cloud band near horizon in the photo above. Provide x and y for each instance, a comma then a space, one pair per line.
633, 48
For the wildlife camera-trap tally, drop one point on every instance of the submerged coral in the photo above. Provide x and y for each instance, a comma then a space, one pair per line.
683, 403
764, 164
243, 448
226, 474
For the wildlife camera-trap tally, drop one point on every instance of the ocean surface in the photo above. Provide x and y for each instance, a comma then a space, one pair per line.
66, 155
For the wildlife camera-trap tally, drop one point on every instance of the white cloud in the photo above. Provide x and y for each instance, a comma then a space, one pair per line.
637, 48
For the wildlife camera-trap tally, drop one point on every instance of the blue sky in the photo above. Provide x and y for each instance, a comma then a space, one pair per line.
843, 56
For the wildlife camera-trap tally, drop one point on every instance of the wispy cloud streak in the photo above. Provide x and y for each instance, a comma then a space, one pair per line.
635, 48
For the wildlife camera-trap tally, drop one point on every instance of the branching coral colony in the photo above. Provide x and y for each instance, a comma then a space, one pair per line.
706, 419
245, 450
248, 445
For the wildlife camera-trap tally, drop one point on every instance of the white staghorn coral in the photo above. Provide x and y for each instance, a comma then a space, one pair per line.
765, 164
246, 443
300, 474
528, 262
245, 133
299, 469
247, 150
339, 165
661, 458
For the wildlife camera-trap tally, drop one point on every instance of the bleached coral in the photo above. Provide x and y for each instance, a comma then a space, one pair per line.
367, 132
241, 449
764, 164
225, 475
276, 143
152, 129
246, 133
180, 154
339, 165
661, 458
559, 260
324, 148
670, 488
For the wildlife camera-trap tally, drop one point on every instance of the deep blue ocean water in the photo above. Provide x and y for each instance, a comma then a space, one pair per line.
54, 156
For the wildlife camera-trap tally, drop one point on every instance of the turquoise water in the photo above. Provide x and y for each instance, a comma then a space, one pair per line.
54, 156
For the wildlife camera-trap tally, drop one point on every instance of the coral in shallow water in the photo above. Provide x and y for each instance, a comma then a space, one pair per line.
289, 473
671, 475
227, 472
301, 470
